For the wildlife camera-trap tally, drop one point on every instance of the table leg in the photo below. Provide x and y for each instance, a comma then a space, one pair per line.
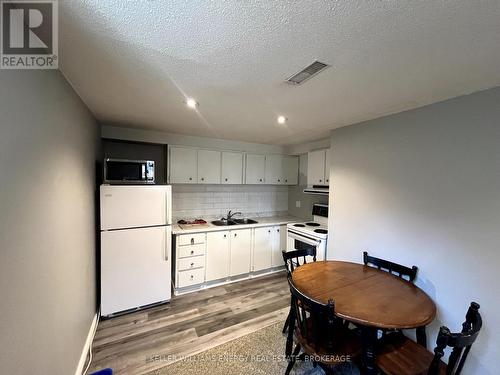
422, 336
369, 340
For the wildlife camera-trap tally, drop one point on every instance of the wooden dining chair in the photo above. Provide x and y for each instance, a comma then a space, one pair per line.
399, 270
292, 260
406, 357
403, 272
319, 333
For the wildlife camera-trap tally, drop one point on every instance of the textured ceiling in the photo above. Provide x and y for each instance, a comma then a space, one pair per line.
133, 62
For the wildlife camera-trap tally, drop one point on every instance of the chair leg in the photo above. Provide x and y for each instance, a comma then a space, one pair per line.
422, 336
291, 360
287, 322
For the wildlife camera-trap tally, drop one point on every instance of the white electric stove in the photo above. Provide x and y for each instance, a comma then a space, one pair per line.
310, 234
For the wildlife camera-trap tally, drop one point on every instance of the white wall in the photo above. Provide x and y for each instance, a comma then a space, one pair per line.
48, 148
423, 187
214, 201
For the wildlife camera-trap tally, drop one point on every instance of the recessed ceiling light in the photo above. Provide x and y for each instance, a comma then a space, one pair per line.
191, 103
281, 120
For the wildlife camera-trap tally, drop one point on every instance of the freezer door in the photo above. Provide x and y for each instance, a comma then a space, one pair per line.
135, 206
135, 268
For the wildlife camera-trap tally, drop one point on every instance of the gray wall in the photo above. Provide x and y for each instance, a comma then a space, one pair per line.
423, 187
48, 147
295, 193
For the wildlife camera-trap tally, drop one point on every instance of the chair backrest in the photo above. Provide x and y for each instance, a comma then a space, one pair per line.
316, 322
391, 267
292, 258
460, 342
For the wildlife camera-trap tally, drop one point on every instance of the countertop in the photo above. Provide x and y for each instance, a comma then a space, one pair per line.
262, 222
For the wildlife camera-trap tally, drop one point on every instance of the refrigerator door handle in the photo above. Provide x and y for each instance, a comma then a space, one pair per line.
168, 205
167, 241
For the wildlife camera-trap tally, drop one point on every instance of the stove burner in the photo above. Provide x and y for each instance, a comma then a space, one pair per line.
299, 225
313, 224
322, 231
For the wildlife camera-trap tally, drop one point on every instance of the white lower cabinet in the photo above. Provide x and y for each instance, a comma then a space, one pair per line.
211, 256
217, 263
241, 252
278, 244
262, 248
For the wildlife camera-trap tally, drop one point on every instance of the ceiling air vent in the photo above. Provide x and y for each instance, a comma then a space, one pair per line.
307, 73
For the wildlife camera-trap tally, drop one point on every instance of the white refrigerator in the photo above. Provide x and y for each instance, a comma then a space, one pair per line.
136, 242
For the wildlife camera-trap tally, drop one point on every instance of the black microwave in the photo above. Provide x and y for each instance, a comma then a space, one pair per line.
122, 171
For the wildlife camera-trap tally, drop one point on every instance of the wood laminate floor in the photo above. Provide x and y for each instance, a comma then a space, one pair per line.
146, 340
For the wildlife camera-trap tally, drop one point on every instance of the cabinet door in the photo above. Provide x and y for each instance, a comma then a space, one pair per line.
262, 248
255, 169
274, 171
316, 168
279, 244
327, 166
241, 250
291, 170
232, 168
208, 167
217, 255
183, 165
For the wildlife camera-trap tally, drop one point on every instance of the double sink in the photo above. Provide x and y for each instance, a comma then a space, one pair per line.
221, 223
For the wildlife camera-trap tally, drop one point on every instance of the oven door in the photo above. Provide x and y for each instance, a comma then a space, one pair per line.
297, 241
119, 171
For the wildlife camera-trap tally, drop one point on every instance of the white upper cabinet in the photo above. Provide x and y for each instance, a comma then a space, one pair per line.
200, 166
232, 168
255, 169
274, 170
327, 166
209, 167
290, 167
183, 165
316, 165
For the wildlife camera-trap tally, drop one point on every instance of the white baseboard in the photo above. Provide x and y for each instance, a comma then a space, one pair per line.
86, 347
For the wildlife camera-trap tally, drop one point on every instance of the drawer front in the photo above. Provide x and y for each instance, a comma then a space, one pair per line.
191, 263
191, 239
191, 251
191, 277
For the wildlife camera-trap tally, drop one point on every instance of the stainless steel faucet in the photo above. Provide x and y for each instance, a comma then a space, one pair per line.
230, 214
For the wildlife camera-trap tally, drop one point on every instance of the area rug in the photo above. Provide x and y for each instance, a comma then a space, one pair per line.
259, 353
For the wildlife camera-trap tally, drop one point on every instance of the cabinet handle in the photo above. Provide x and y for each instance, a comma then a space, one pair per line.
277, 230
269, 230
225, 236
235, 234
192, 264
203, 179
190, 178
320, 180
260, 179
192, 241
286, 180
327, 180
192, 277
192, 252
225, 179
279, 180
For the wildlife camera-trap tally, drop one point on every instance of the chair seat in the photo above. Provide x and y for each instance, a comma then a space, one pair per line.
398, 355
347, 343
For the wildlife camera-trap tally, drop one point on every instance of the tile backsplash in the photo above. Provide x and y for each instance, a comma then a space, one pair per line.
214, 201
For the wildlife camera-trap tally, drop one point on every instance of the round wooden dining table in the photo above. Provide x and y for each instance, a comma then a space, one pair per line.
368, 297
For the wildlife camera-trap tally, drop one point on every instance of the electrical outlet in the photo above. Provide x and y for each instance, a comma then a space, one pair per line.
297, 204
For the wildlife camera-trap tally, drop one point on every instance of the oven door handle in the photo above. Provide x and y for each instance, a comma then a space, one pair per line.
307, 240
